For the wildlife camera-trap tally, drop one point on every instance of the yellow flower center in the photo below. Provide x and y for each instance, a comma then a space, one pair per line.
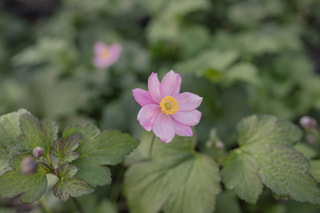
169, 105
105, 53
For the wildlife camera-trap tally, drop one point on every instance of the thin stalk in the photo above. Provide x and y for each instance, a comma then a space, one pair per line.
151, 146
117, 186
49, 159
44, 205
47, 166
77, 204
316, 134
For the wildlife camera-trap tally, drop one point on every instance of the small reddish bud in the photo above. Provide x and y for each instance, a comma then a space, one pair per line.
308, 122
38, 152
29, 165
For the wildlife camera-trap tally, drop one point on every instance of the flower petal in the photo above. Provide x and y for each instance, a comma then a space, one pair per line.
188, 101
187, 118
170, 84
147, 115
115, 51
142, 97
163, 128
154, 87
182, 130
98, 47
100, 62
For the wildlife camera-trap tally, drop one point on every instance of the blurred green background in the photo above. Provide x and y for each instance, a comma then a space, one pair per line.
242, 56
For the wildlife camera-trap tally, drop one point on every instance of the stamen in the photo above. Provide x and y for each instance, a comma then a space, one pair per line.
105, 53
169, 105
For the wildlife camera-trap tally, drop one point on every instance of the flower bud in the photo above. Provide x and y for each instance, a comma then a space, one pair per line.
308, 122
38, 152
29, 165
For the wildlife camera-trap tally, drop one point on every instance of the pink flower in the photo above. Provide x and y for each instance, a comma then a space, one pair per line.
105, 55
165, 110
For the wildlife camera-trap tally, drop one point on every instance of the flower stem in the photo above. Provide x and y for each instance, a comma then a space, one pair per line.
47, 166
44, 205
77, 204
316, 134
49, 160
151, 146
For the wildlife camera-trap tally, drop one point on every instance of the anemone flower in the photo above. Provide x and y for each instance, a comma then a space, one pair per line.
165, 110
105, 55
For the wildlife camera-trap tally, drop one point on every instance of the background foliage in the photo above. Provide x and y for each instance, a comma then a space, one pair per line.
242, 56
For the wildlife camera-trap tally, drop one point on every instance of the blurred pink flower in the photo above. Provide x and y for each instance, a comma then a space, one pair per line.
165, 110
105, 55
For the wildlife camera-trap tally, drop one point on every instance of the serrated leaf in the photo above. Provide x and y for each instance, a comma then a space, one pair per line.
10, 128
9, 131
68, 185
14, 182
37, 134
267, 156
65, 149
99, 149
262, 129
88, 132
177, 179
4, 160
66, 171
240, 174
95, 174
284, 171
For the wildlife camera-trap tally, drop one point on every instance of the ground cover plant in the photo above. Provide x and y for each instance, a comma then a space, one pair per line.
149, 106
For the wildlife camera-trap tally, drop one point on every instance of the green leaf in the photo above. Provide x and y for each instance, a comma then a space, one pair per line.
306, 150
65, 149
68, 185
4, 160
227, 202
315, 169
214, 75
267, 157
14, 182
264, 129
106, 206
10, 128
46, 50
239, 173
169, 20
243, 72
54, 97
9, 131
204, 65
99, 149
92, 172
37, 134
171, 179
